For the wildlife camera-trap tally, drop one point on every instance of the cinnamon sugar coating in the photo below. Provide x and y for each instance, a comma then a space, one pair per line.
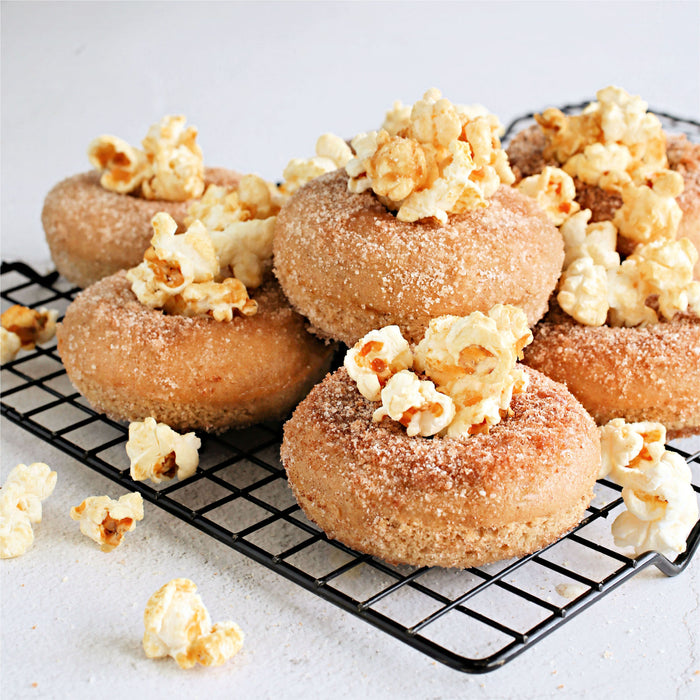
350, 266
132, 362
639, 374
442, 501
93, 232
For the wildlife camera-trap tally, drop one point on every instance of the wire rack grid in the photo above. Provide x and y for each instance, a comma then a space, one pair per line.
474, 620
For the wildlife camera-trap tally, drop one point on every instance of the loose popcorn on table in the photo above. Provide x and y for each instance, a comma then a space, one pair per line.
105, 521
375, 358
159, 453
20, 506
32, 327
435, 160
661, 504
169, 167
177, 624
469, 362
554, 191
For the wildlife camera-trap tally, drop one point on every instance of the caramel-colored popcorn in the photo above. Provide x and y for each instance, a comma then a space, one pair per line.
554, 191
105, 521
614, 140
331, 153
173, 262
375, 358
123, 167
32, 327
415, 404
583, 292
629, 450
10, 345
170, 166
20, 506
159, 453
397, 118
663, 269
596, 241
661, 512
218, 300
439, 160
177, 624
177, 166
651, 213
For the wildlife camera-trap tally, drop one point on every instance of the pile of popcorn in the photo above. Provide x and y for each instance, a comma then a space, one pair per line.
458, 381
617, 145
22, 328
431, 159
170, 166
178, 625
227, 248
662, 507
20, 506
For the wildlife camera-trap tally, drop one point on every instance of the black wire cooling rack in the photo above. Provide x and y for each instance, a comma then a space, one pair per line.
474, 620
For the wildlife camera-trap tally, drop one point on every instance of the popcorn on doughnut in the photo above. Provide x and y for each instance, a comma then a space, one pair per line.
98, 222
418, 224
414, 483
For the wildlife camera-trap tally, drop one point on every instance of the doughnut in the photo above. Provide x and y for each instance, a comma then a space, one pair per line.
131, 361
349, 265
650, 373
451, 502
93, 232
526, 155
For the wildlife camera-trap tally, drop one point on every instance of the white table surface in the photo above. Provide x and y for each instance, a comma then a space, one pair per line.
262, 81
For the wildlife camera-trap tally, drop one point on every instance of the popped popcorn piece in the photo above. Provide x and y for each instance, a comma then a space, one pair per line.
597, 162
629, 450
245, 247
613, 140
16, 533
650, 212
331, 153
157, 452
661, 268
440, 160
10, 345
554, 191
175, 159
105, 521
20, 506
397, 118
169, 167
597, 241
375, 358
177, 624
472, 359
661, 513
218, 300
173, 261
415, 404
583, 292
33, 327
123, 167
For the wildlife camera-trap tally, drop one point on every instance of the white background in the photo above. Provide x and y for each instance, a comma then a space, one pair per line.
262, 81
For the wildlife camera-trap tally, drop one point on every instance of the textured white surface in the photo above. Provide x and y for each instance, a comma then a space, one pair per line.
262, 81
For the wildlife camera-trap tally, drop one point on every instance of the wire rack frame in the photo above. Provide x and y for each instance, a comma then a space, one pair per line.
474, 620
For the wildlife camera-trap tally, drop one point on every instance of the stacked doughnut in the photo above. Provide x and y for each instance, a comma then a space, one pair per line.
624, 330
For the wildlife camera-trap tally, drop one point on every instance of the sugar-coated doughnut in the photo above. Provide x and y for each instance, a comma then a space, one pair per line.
93, 232
442, 501
526, 155
347, 264
131, 361
650, 373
